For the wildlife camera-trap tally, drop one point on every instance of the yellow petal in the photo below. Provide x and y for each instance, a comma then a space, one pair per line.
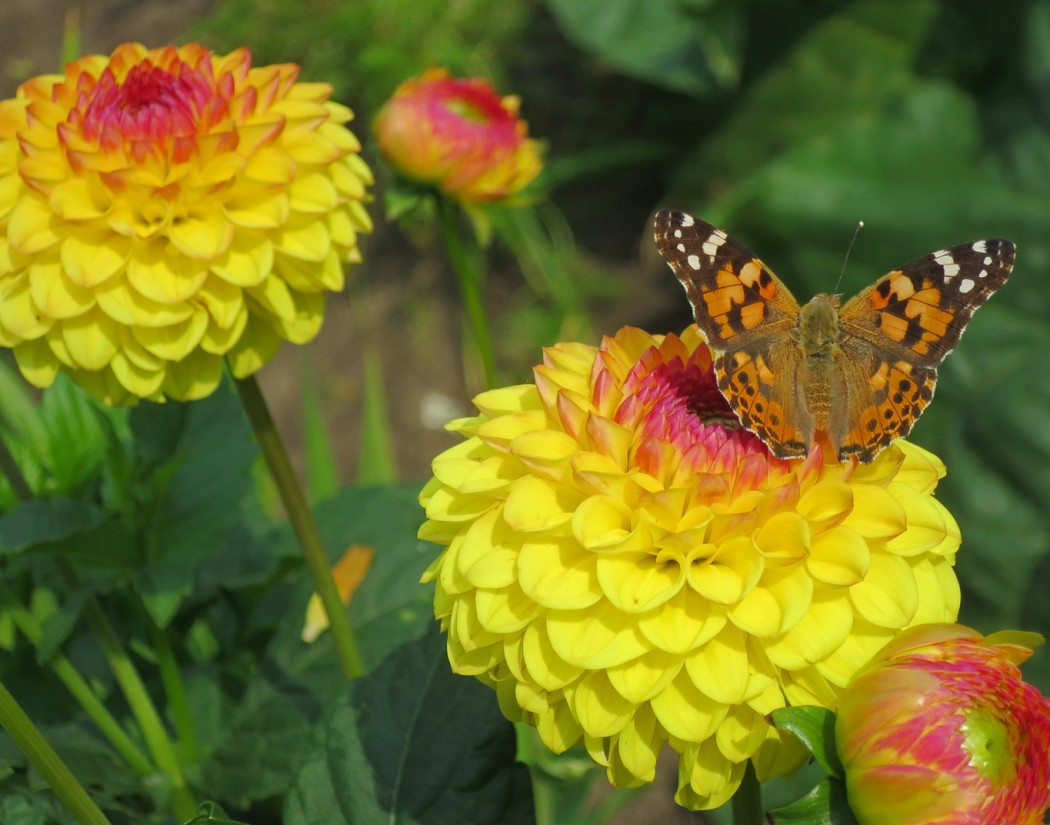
159, 272
194, 377
91, 259
174, 342
92, 339
204, 235
54, 294
32, 227
247, 262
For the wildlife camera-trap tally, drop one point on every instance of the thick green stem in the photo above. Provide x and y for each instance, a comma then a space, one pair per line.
466, 263
747, 801
178, 705
78, 687
302, 522
43, 757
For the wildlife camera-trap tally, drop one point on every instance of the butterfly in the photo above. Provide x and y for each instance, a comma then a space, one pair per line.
857, 374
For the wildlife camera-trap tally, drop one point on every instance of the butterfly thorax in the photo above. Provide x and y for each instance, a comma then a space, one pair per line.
818, 329
819, 341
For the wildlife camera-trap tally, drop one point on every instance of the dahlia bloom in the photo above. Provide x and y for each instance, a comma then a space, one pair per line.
163, 209
458, 135
628, 567
941, 729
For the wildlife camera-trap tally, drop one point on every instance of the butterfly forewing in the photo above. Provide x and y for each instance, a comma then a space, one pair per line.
920, 310
736, 298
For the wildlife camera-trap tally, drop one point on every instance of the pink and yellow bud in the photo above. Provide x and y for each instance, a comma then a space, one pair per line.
940, 729
458, 135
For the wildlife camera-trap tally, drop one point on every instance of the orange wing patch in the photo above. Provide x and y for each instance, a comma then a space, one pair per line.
899, 393
757, 395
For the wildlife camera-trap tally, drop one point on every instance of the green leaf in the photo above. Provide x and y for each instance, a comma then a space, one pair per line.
46, 521
198, 458
413, 744
853, 63
826, 804
210, 812
815, 728
689, 47
75, 438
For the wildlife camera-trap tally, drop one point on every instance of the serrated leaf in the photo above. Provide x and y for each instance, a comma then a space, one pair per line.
826, 804
815, 728
413, 744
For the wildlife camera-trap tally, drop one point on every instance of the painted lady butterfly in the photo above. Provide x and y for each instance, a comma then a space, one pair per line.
857, 375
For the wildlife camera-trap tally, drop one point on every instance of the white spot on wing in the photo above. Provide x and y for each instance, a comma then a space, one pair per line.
987, 260
980, 246
678, 233
687, 220
983, 273
714, 240
680, 247
966, 285
693, 261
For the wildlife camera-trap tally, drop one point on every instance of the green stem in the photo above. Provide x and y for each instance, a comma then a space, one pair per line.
184, 805
13, 473
175, 690
467, 267
78, 687
43, 757
302, 523
747, 801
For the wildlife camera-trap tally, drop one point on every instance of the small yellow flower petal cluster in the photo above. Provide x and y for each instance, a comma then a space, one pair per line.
631, 569
161, 210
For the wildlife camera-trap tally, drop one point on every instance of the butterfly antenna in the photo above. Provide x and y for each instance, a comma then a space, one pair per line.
853, 240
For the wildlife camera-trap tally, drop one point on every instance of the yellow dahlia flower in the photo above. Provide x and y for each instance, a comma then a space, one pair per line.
459, 135
163, 209
630, 568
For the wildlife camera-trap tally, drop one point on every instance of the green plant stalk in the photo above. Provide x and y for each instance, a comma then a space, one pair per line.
376, 456
747, 801
43, 757
544, 799
13, 473
302, 522
78, 687
175, 690
468, 273
183, 803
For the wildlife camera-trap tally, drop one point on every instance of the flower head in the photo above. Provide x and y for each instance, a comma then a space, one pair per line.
627, 566
941, 729
458, 135
163, 209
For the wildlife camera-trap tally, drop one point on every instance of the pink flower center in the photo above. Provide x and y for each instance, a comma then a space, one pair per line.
153, 109
684, 408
